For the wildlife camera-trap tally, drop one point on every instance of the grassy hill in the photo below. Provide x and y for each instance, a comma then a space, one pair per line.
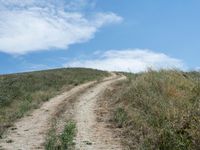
158, 110
155, 110
20, 93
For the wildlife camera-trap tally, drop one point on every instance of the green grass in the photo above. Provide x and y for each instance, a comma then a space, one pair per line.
20, 93
52, 140
64, 141
120, 117
68, 135
159, 110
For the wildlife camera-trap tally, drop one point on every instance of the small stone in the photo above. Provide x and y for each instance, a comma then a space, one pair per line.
9, 141
87, 142
14, 128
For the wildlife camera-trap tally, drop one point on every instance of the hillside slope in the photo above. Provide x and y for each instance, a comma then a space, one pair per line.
157, 110
20, 93
30, 132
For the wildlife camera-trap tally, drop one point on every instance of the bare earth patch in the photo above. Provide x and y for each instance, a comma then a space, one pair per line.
92, 134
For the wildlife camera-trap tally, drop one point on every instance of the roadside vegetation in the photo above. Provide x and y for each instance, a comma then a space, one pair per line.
158, 110
20, 93
61, 141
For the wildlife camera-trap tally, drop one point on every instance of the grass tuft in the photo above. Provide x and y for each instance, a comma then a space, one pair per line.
68, 135
64, 141
120, 117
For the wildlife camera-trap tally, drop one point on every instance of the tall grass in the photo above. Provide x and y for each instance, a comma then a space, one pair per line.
20, 93
163, 110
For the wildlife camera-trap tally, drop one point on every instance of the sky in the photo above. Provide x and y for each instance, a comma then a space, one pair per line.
127, 35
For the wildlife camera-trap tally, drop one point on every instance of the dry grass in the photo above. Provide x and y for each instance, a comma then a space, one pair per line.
20, 93
159, 110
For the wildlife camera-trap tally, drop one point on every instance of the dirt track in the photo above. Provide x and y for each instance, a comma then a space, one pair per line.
29, 132
93, 135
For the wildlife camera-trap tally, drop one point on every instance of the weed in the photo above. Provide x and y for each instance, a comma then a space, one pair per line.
120, 117
64, 141
52, 140
68, 135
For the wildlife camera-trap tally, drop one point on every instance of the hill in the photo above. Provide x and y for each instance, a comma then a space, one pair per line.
150, 110
20, 93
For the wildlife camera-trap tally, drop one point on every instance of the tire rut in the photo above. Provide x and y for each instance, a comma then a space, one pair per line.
91, 134
29, 132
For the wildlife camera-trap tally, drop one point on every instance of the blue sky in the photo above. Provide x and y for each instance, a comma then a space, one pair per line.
110, 35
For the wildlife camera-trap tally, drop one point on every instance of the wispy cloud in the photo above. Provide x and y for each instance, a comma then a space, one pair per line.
33, 25
134, 60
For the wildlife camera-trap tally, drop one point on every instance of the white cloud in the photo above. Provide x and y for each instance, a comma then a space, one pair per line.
34, 25
131, 60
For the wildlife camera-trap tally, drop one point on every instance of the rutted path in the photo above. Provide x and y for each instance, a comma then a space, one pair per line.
94, 135
29, 133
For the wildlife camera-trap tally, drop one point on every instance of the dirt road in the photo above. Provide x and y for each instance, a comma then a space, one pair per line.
29, 132
94, 135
